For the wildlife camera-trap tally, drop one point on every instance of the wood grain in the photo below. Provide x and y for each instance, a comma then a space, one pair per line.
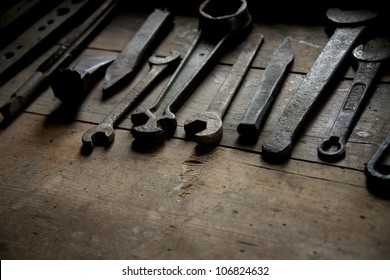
179, 200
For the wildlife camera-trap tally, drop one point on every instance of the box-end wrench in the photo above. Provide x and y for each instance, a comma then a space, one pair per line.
103, 133
220, 26
378, 169
270, 85
371, 57
207, 127
351, 24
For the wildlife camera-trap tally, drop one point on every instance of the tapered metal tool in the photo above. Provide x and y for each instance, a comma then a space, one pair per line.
103, 133
73, 84
270, 85
278, 146
207, 127
137, 50
59, 59
371, 56
220, 27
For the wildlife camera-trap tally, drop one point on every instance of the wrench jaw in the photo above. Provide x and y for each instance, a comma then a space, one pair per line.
204, 128
101, 135
378, 171
331, 149
148, 128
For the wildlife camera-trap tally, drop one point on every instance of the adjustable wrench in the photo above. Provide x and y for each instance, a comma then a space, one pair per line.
270, 84
278, 146
103, 133
371, 56
216, 31
206, 127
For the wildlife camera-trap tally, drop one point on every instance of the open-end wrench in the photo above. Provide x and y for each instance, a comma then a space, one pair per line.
378, 167
371, 56
206, 127
103, 133
73, 83
352, 23
270, 84
221, 23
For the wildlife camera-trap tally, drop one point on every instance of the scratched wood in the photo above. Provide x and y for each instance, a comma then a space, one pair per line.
178, 201
175, 202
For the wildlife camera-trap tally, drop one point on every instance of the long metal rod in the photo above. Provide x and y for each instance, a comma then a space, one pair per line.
60, 58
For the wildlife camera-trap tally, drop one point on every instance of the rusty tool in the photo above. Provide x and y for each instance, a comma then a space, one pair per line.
39, 36
264, 96
59, 59
103, 133
351, 24
135, 53
73, 83
207, 127
220, 26
371, 57
378, 167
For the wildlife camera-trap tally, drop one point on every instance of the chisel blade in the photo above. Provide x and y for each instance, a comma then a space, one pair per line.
128, 62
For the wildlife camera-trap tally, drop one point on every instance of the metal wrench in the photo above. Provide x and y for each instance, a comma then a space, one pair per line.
371, 57
103, 133
378, 167
270, 84
206, 127
278, 146
216, 31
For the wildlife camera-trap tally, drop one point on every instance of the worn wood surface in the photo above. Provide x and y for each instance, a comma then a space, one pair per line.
177, 200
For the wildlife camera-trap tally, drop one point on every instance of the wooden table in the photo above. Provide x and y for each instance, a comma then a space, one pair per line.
181, 201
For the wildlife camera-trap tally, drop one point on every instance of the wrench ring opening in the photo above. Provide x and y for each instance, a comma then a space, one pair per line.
331, 149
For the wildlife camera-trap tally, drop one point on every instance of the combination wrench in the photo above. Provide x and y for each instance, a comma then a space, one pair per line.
103, 133
371, 57
278, 146
207, 127
220, 26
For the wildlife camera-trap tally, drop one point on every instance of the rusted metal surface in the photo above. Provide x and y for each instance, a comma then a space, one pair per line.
264, 96
378, 170
103, 133
220, 25
73, 84
59, 59
278, 146
135, 53
39, 36
371, 56
207, 127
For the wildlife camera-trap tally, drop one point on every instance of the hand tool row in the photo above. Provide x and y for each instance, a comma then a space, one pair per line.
220, 30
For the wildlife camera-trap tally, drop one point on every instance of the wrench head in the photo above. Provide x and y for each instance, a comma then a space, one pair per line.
204, 128
147, 127
158, 60
100, 135
374, 50
347, 17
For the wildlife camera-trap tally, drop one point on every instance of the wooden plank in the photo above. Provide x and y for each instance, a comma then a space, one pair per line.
175, 203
